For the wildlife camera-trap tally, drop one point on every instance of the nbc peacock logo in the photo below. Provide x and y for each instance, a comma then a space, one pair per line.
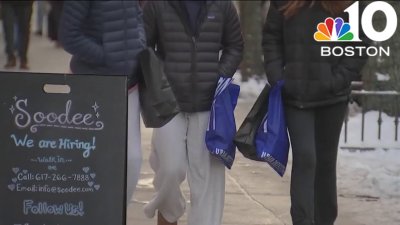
333, 30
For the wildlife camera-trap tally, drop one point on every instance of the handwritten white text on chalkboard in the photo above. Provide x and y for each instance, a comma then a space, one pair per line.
32, 120
54, 177
51, 159
53, 189
62, 143
44, 208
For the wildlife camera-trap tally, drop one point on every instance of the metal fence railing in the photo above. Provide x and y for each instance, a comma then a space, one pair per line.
391, 125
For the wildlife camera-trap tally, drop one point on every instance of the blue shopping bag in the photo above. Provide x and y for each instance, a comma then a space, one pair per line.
222, 127
272, 140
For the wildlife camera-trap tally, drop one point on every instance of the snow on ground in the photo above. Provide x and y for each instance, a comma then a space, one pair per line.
382, 77
370, 173
372, 177
251, 88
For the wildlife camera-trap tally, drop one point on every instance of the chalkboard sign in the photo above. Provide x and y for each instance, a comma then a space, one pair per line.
62, 155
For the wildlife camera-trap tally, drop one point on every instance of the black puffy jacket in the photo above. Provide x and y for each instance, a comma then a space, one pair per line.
292, 54
192, 60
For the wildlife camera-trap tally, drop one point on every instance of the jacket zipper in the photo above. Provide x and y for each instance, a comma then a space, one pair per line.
202, 17
196, 33
194, 59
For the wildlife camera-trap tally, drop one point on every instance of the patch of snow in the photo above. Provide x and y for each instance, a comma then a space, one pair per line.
382, 77
372, 177
251, 88
370, 173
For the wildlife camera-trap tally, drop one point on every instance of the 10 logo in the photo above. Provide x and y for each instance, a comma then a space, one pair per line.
338, 30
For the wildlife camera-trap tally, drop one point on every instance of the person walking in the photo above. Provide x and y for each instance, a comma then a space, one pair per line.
316, 93
188, 36
16, 14
105, 38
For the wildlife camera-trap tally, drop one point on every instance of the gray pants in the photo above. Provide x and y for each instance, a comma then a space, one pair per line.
178, 150
40, 14
134, 144
314, 135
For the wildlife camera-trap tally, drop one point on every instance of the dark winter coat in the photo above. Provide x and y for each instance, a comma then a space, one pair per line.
192, 61
104, 37
292, 54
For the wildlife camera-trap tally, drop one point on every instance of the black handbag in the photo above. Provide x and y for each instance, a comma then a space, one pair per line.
157, 100
245, 136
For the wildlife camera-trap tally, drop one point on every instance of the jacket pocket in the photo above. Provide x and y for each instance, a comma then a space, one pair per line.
340, 84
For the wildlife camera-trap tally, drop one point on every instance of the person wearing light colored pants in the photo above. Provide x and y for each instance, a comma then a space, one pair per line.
105, 38
134, 145
40, 14
178, 150
198, 42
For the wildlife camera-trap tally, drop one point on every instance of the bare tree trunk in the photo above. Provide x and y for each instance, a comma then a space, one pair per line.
251, 22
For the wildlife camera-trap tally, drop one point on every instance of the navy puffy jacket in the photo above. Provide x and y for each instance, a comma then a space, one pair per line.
104, 37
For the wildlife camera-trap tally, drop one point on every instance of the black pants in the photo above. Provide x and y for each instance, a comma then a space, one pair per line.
54, 19
16, 14
314, 135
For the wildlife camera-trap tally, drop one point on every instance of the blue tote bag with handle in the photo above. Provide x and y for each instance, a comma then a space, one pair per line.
221, 129
272, 140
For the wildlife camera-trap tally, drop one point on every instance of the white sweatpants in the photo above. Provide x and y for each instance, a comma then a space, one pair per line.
134, 145
178, 150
